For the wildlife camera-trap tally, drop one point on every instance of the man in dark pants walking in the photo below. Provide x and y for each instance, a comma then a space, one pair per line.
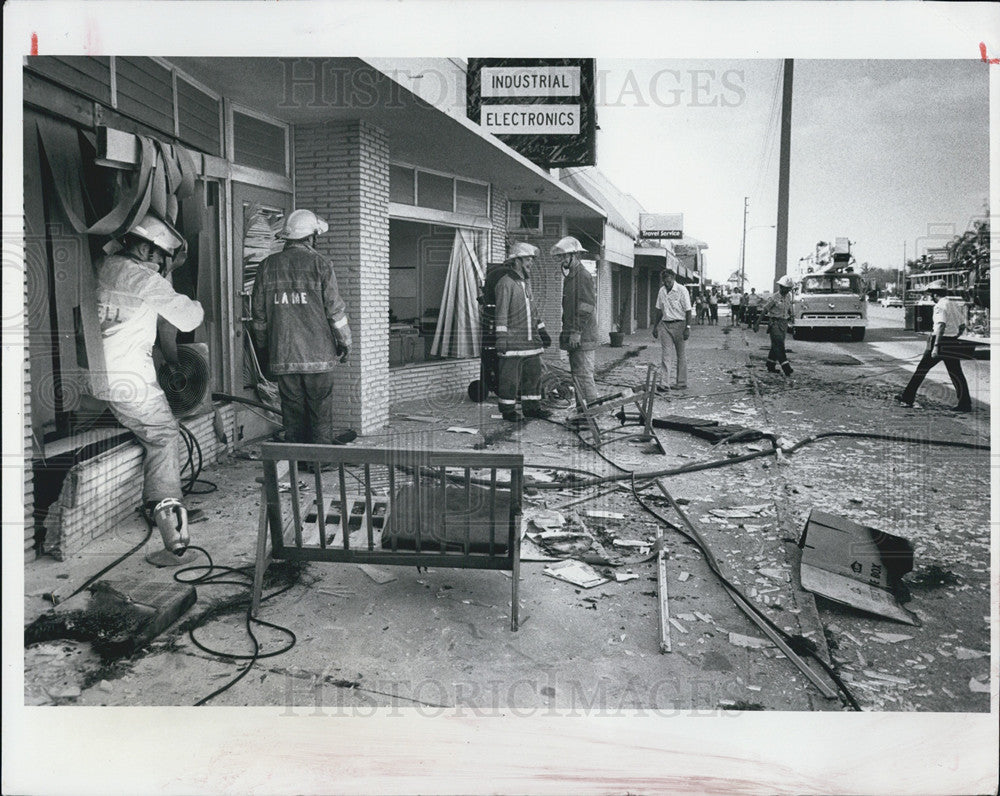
943, 344
778, 312
301, 321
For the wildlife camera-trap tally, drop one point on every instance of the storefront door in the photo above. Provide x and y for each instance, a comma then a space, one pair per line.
258, 215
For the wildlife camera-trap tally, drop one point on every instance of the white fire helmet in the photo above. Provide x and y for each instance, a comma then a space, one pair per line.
521, 249
158, 232
786, 281
301, 224
567, 245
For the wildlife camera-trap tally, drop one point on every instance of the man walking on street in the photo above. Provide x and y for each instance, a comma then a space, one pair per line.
673, 311
943, 344
753, 308
579, 316
777, 312
300, 319
132, 294
520, 338
713, 308
744, 307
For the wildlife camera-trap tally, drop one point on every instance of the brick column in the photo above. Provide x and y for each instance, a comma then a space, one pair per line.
342, 174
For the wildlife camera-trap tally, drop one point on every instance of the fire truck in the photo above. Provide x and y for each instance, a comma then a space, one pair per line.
829, 295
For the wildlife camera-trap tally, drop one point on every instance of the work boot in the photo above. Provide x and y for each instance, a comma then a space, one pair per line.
903, 399
772, 366
533, 409
962, 408
786, 369
512, 415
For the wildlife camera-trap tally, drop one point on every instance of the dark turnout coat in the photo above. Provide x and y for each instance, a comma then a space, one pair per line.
579, 308
298, 313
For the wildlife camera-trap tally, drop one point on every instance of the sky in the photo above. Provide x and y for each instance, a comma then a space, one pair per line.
883, 152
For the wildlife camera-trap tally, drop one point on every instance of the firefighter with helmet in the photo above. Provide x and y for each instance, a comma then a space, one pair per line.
520, 338
133, 294
300, 321
579, 315
778, 312
943, 345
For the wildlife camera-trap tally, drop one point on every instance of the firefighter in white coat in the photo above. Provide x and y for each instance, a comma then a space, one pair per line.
132, 294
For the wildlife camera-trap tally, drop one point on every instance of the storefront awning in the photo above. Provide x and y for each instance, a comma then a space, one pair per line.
349, 89
658, 257
622, 225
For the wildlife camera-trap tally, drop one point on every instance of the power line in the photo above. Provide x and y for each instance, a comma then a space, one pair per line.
773, 119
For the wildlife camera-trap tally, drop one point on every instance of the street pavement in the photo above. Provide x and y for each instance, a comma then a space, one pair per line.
439, 640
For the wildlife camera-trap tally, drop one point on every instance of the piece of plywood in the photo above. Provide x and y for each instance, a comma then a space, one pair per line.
854, 565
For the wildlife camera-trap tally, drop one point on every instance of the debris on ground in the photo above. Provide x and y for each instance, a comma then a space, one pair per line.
575, 572
748, 642
738, 512
855, 565
377, 574
964, 654
121, 617
595, 514
891, 638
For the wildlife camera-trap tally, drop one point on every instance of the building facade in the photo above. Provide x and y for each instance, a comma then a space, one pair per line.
419, 200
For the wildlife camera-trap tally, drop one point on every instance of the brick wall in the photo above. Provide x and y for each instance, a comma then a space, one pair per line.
101, 492
546, 276
434, 381
605, 312
342, 173
499, 204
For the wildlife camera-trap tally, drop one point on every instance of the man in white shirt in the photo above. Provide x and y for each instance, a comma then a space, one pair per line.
131, 296
673, 318
943, 344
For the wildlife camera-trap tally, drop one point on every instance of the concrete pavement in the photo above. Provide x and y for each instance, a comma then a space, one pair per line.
439, 640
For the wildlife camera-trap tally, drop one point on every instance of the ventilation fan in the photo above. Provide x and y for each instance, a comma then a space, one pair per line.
188, 385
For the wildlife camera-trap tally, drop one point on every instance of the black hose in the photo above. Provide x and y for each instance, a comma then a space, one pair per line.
214, 575
799, 644
222, 396
887, 437
715, 463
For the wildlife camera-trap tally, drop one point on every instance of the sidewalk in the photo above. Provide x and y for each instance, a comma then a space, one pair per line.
440, 638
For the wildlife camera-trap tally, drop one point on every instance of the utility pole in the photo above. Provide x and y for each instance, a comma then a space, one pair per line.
902, 272
743, 247
784, 162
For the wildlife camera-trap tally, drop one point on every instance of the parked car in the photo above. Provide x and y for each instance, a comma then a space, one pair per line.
891, 301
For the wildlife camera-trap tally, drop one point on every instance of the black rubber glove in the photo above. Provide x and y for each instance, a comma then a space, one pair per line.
545, 338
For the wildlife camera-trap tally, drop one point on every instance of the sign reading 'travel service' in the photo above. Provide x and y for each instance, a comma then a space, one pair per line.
661, 226
541, 107
527, 81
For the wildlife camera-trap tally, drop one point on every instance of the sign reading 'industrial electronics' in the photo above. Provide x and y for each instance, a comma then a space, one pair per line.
543, 108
